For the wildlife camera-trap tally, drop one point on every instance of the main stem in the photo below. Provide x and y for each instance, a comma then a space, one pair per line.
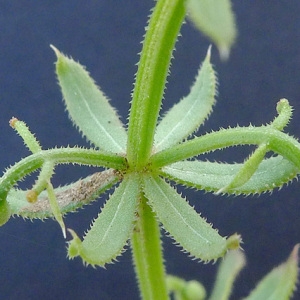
161, 35
147, 255
150, 82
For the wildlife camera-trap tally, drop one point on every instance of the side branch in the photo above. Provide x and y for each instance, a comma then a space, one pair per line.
276, 141
58, 156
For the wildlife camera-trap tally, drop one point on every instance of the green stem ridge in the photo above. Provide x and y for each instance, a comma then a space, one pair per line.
156, 54
147, 254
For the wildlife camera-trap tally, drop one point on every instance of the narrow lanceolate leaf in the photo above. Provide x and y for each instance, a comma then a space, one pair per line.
228, 270
112, 228
186, 226
272, 173
216, 20
186, 116
69, 198
88, 107
280, 283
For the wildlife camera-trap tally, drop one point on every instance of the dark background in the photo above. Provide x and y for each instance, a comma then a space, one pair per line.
105, 36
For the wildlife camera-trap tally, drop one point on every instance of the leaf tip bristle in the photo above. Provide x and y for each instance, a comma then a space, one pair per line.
295, 252
208, 54
56, 51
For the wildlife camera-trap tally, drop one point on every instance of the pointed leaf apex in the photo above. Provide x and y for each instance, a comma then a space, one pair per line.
56, 51
295, 253
208, 54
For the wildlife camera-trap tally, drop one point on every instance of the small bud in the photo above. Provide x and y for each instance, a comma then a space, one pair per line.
32, 196
12, 122
194, 290
29, 139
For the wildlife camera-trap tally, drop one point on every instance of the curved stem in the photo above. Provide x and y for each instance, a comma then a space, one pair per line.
58, 156
275, 140
156, 54
147, 254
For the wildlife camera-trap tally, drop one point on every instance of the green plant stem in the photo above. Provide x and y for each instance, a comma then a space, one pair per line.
58, 156
147, 254
276, 141
156, 55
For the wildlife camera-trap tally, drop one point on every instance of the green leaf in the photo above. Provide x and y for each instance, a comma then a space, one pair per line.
280, 283
70, 197
186, 226
186, 116
228, 270
216, 20
88, 107
212, 176
112, 228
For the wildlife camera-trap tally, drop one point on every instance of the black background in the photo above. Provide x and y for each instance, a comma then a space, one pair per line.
105, 36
